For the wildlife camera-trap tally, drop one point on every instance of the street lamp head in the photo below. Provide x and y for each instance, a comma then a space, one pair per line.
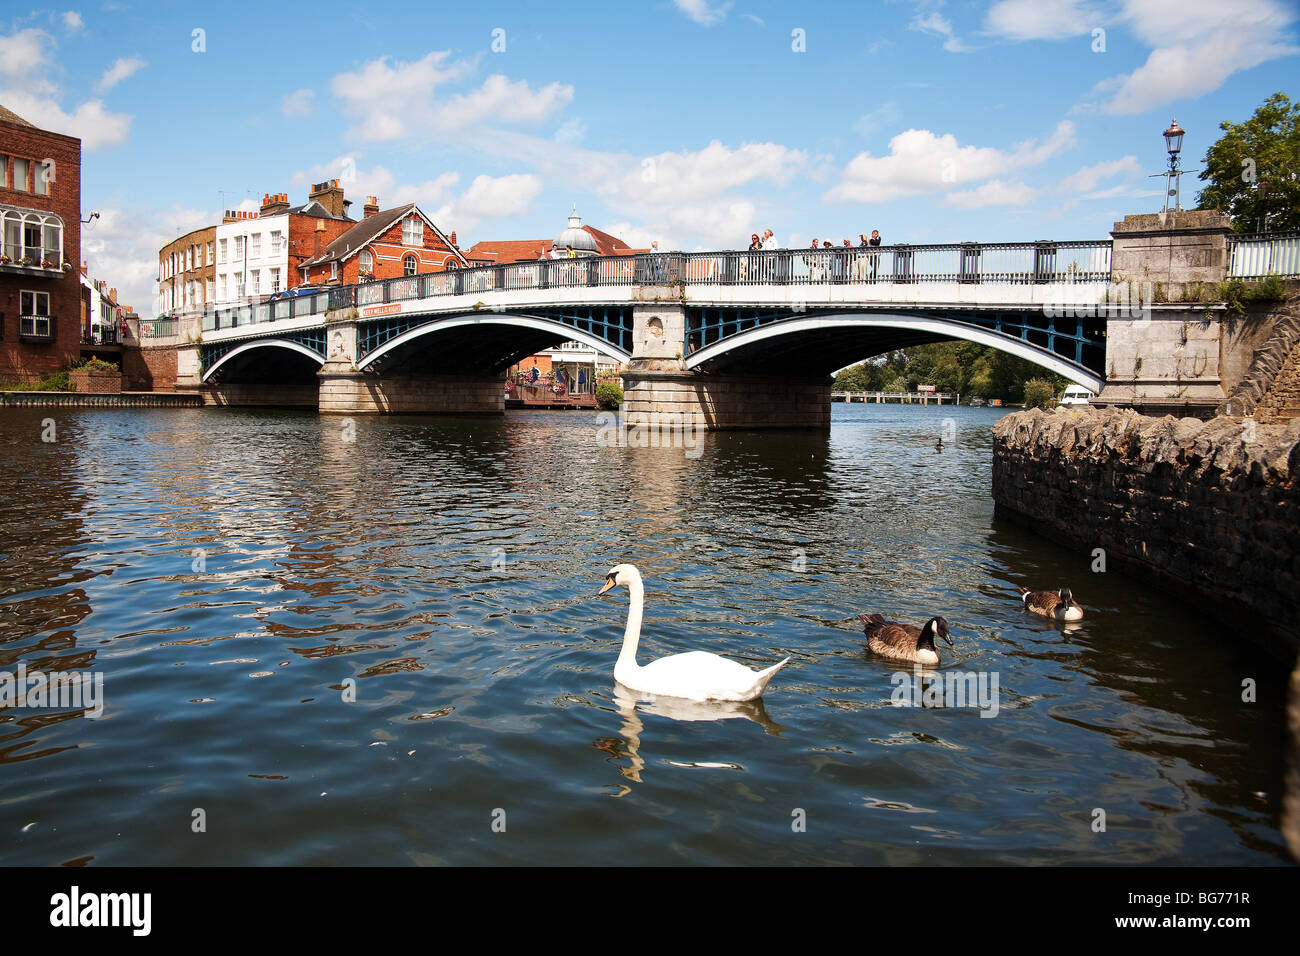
1174, 138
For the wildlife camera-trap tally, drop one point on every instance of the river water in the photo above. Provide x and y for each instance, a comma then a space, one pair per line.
384, 646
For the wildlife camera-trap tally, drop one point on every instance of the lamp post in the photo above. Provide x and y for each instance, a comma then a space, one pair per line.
1174, 145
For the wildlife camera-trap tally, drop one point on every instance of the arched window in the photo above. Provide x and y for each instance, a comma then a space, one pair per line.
32, 237
365, 261
451, 264
409, 265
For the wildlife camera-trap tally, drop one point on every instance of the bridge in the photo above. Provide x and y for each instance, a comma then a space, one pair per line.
743, 339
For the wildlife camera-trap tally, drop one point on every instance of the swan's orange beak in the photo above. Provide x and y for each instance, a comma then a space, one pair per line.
609, 583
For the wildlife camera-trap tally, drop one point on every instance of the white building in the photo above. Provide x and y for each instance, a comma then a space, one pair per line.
258, 253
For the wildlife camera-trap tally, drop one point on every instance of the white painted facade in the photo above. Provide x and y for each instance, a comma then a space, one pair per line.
252, 257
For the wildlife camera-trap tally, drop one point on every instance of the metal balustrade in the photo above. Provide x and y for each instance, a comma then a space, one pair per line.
968, 263
1258, 255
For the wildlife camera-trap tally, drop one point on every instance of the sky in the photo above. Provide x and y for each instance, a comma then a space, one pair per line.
690, 122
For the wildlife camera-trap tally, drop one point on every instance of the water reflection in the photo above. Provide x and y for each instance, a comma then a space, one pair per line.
268, 593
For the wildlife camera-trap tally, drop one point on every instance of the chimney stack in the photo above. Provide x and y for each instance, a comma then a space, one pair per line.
273, 203
371, 207
453, 239
330, 195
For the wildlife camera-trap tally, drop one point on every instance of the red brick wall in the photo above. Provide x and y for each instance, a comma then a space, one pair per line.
149, 370
95, 383
305, 243
28, 361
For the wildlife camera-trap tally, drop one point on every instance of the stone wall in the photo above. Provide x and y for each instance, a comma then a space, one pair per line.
1264, 341
357, 393
721, 402
264, 396
1207, 509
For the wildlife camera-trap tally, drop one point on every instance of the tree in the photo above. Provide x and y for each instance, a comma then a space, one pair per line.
1038, 392
1254, 169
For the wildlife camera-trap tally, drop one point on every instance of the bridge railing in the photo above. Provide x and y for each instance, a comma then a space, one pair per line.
1256, 255
967, 263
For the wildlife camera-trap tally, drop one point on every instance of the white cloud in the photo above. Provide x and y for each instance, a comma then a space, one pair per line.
702, 12
1197, 45
1042, 19
488, 197
1089, 177
920, 162
23, 53
298, 103
72, 21
500, 101
881, 116
992, 193
398, 100
753, 19
571, 131
122, 246
25, 88
122, 68
936, 24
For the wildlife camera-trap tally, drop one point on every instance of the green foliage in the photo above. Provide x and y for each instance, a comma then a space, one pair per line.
94, 364
609, 395
1240, 294
1038, 393
50, 382
1253, 170
963, 367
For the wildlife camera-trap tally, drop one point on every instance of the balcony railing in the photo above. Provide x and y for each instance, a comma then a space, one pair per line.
1256, 255
36, 328
968, 263
159, 328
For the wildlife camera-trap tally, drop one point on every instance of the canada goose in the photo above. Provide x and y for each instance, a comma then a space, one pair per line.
903, 642
1057, 605
696, 675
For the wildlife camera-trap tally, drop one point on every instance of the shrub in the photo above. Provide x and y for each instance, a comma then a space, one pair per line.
94, 364
1038, 392
609, 395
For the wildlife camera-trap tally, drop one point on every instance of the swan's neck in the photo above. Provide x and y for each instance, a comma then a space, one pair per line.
632, 636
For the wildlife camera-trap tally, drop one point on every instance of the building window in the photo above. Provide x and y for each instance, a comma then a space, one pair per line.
20, 174
31, 238
277, 238
257, 281
41, 174
334, 270
209, 261
255, 246
239, 248
189, 258
4, 172
239, 284
34, 314
412, 231
409, 265
221, 251
275, 280
365, 262
209, 289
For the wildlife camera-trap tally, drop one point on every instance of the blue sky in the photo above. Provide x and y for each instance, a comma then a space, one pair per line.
690, 122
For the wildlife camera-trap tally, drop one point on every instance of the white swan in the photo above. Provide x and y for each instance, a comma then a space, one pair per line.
694, 676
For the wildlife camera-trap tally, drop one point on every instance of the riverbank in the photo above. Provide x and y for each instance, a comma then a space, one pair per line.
1209, 510
102, 399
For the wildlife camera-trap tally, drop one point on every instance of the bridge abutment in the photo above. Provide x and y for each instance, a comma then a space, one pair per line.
657, 387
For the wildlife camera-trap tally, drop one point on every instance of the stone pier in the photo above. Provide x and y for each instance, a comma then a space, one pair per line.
346, 390
657, 387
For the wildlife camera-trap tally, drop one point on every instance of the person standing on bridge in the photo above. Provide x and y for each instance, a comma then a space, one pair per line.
875, 256
772, 270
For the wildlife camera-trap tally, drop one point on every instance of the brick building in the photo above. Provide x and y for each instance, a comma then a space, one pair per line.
384, 245
595, 242
187, 271
40, 245
259, 253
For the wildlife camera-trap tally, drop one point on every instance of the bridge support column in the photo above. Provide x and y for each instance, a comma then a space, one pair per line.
346, 390
657, 387
1165, 356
